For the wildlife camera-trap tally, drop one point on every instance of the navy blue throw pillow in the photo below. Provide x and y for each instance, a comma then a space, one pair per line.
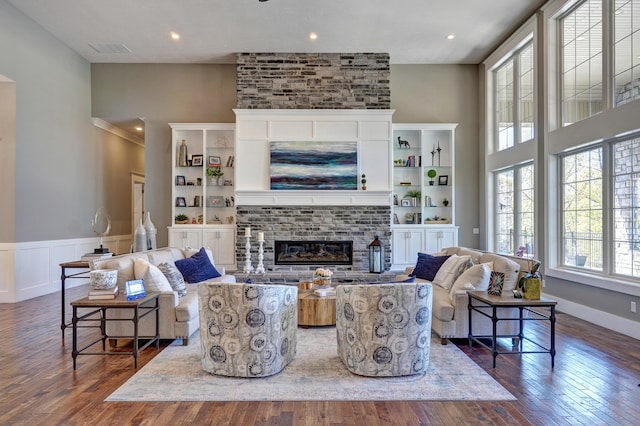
427, 266
411, 279
197, 268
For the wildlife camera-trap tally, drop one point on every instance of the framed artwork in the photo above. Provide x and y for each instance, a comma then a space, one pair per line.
215, 201
214, 161
405, 202
181, 202
443, 180
196, 160
180, 180
314, 165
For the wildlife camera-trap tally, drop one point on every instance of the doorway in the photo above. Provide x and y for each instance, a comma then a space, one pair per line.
137, 200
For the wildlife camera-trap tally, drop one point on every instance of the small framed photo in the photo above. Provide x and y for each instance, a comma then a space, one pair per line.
228, 182
405, 202
443, 180
181, 202
215, 201
196, 160
180, 180
214, 161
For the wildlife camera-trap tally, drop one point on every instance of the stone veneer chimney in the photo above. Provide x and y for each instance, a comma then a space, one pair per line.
314, 81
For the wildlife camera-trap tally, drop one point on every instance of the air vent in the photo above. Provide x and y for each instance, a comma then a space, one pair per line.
109, 47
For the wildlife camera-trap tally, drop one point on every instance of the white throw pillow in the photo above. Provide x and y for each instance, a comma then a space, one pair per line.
451, 270
474, 278
510, 268
154, 279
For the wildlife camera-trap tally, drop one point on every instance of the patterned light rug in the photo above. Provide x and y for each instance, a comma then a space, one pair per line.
317, 374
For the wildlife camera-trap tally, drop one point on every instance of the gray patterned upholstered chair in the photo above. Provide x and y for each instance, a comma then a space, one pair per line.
384, 329
247, 330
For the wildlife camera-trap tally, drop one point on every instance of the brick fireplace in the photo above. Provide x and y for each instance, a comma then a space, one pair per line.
315, 223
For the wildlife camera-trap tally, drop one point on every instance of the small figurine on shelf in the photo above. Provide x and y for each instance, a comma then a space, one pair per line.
363, 181
194, 221
403, 143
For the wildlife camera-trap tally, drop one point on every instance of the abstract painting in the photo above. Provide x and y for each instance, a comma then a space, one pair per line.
314, 165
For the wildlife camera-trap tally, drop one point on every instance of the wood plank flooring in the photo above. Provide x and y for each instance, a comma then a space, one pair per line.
596, 381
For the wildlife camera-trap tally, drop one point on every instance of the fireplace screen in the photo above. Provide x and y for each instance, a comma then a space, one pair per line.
313, 252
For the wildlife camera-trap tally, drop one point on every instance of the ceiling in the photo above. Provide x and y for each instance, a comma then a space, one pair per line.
212, 31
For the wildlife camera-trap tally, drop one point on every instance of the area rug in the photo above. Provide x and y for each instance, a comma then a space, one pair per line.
316, 374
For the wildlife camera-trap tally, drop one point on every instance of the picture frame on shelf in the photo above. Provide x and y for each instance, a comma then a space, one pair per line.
214, 161
181, 202
405, 202
228, 182
197, 160
443, 180
215, 201
180, 180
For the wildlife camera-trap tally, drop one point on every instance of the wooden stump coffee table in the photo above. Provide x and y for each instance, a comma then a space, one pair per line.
315, 310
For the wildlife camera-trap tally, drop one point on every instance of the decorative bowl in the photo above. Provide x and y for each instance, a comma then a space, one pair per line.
103, 279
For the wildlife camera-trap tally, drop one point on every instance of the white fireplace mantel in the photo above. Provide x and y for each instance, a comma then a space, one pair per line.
372, 130
310, 198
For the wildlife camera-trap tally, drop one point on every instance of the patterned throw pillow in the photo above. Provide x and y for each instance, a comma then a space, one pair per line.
496, 281
427, 266
174, 277
197, 268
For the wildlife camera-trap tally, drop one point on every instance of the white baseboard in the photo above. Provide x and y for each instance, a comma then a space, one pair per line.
32, 269
604, 319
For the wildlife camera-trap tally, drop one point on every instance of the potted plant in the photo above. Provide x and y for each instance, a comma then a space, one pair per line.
432, 174
215, 172
363, 181
417, 195
181, 219
445, 201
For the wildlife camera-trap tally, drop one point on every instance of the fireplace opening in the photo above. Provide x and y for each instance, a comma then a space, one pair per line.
313, 252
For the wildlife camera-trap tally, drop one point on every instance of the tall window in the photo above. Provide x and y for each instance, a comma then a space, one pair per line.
581, 36
514, 196
626, 16
582, 205
626, 207
514, 102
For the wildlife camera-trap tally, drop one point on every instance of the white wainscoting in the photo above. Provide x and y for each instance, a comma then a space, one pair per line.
32, 269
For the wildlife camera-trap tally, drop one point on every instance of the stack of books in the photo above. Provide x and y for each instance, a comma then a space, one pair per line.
95, 256
103, 294
324, 292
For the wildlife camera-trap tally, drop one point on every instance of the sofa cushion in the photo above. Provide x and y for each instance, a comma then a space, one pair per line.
174, 277
474, 278
187, 309
442, 306
451, 270
510, 268
427, 266
188, 252
154, 279
197, 268
159, 256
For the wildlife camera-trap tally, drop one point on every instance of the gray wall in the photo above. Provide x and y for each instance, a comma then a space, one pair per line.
446, 94
162, 94
55, 189
65, 168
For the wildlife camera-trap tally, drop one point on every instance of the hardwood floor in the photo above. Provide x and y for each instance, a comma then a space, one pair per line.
595, 382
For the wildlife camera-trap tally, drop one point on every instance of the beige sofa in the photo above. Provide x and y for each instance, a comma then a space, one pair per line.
178, 316
450, 314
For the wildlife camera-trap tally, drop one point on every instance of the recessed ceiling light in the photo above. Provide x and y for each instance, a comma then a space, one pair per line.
451, 36
175, 35
313, 36
138, 128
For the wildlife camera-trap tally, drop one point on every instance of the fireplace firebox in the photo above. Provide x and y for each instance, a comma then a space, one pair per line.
313, 252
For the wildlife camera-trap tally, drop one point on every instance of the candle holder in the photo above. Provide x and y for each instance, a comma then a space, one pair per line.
260, 268
247, 263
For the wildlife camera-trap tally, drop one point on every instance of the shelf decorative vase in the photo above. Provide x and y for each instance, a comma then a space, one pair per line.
151, 231
182, 155
140, 237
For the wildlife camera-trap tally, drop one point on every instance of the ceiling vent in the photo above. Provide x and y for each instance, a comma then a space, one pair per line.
109, 47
